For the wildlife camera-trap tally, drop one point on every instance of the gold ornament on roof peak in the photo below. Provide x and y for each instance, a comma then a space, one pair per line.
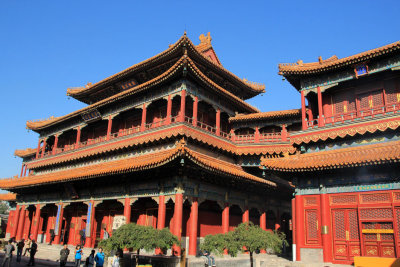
205, 39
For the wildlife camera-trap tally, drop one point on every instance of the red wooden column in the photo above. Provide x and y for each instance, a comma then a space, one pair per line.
21, 224
109, 127
321, 121
278, 220
183, 104
284, 133
299, 225
15, 222
58, 224
55, 144
38, 149
89, 224
294, 241
195, 110
218, 122
193, 227
44, 147
263, 225
169, 110
225, 222
26, 168
178, 221
78, 137
36, 223
326, 232
22, 170
303, 111
9, 227
257, 135
245, 216
161, 212
127, 210
144, 111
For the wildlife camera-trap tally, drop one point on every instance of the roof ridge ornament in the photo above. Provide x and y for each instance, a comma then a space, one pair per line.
205, 39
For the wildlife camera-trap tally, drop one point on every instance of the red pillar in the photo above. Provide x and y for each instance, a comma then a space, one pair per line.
218, 122
284, 133
169, 109
22, 170
78, 137
91, 210
127, 210
278, 220
257, 135
36, 223
38, 149
327, 236
44, 147
225, 222
195, 109
263, 225
26, 168
294, 229
178, 221
21, 224
320, 112
109, 127
193, 227
15, 222
299, 226
161, 212
60, 216
183, 103
303, 111
245, 216
143, 125
55, 144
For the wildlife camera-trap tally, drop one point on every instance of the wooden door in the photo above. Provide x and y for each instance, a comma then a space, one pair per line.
378, 238
370, 103
346, 237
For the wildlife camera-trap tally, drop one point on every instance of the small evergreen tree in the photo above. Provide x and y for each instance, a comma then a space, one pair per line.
247, 237
137, 237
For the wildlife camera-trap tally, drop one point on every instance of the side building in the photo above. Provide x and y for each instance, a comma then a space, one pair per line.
346, 170
158, 144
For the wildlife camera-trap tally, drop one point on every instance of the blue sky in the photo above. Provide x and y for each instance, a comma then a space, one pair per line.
48, 46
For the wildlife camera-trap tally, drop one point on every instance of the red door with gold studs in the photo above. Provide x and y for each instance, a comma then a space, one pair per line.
346, 237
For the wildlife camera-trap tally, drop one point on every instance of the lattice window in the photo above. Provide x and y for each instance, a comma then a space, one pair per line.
376, 214
377, 98
344, 102
353, 225
312, 226
397, 196
397, 210
339, 224
387, 237
310, 201
381, 197
364, 101
344, 199
370, 237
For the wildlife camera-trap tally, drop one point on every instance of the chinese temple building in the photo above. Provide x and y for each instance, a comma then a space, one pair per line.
347, 197
158, 144
172, 142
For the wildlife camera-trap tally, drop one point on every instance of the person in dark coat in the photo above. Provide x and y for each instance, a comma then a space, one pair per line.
32, 254
64, 252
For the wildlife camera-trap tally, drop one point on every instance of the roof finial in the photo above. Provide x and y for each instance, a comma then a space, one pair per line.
205, 39
184, 32
320, 60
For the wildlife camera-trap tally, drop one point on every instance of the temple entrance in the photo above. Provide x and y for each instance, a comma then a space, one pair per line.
378, 239
105, 214
346, 239
75, 215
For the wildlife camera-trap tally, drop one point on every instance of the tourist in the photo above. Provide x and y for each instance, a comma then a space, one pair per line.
115, 260
9, 248
64, 255
90, 259
83, 236
210, 259
20, 248
52, 236
32, 254
99, 259
28, 243
78, 255
106, 235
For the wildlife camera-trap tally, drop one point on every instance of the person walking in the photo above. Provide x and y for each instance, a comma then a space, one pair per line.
52, 236
99, 259
9, 248
90, 259
28, 243
32, 254
83, 237
64, 252
78, 255
116, 259
106, 235
20, 248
